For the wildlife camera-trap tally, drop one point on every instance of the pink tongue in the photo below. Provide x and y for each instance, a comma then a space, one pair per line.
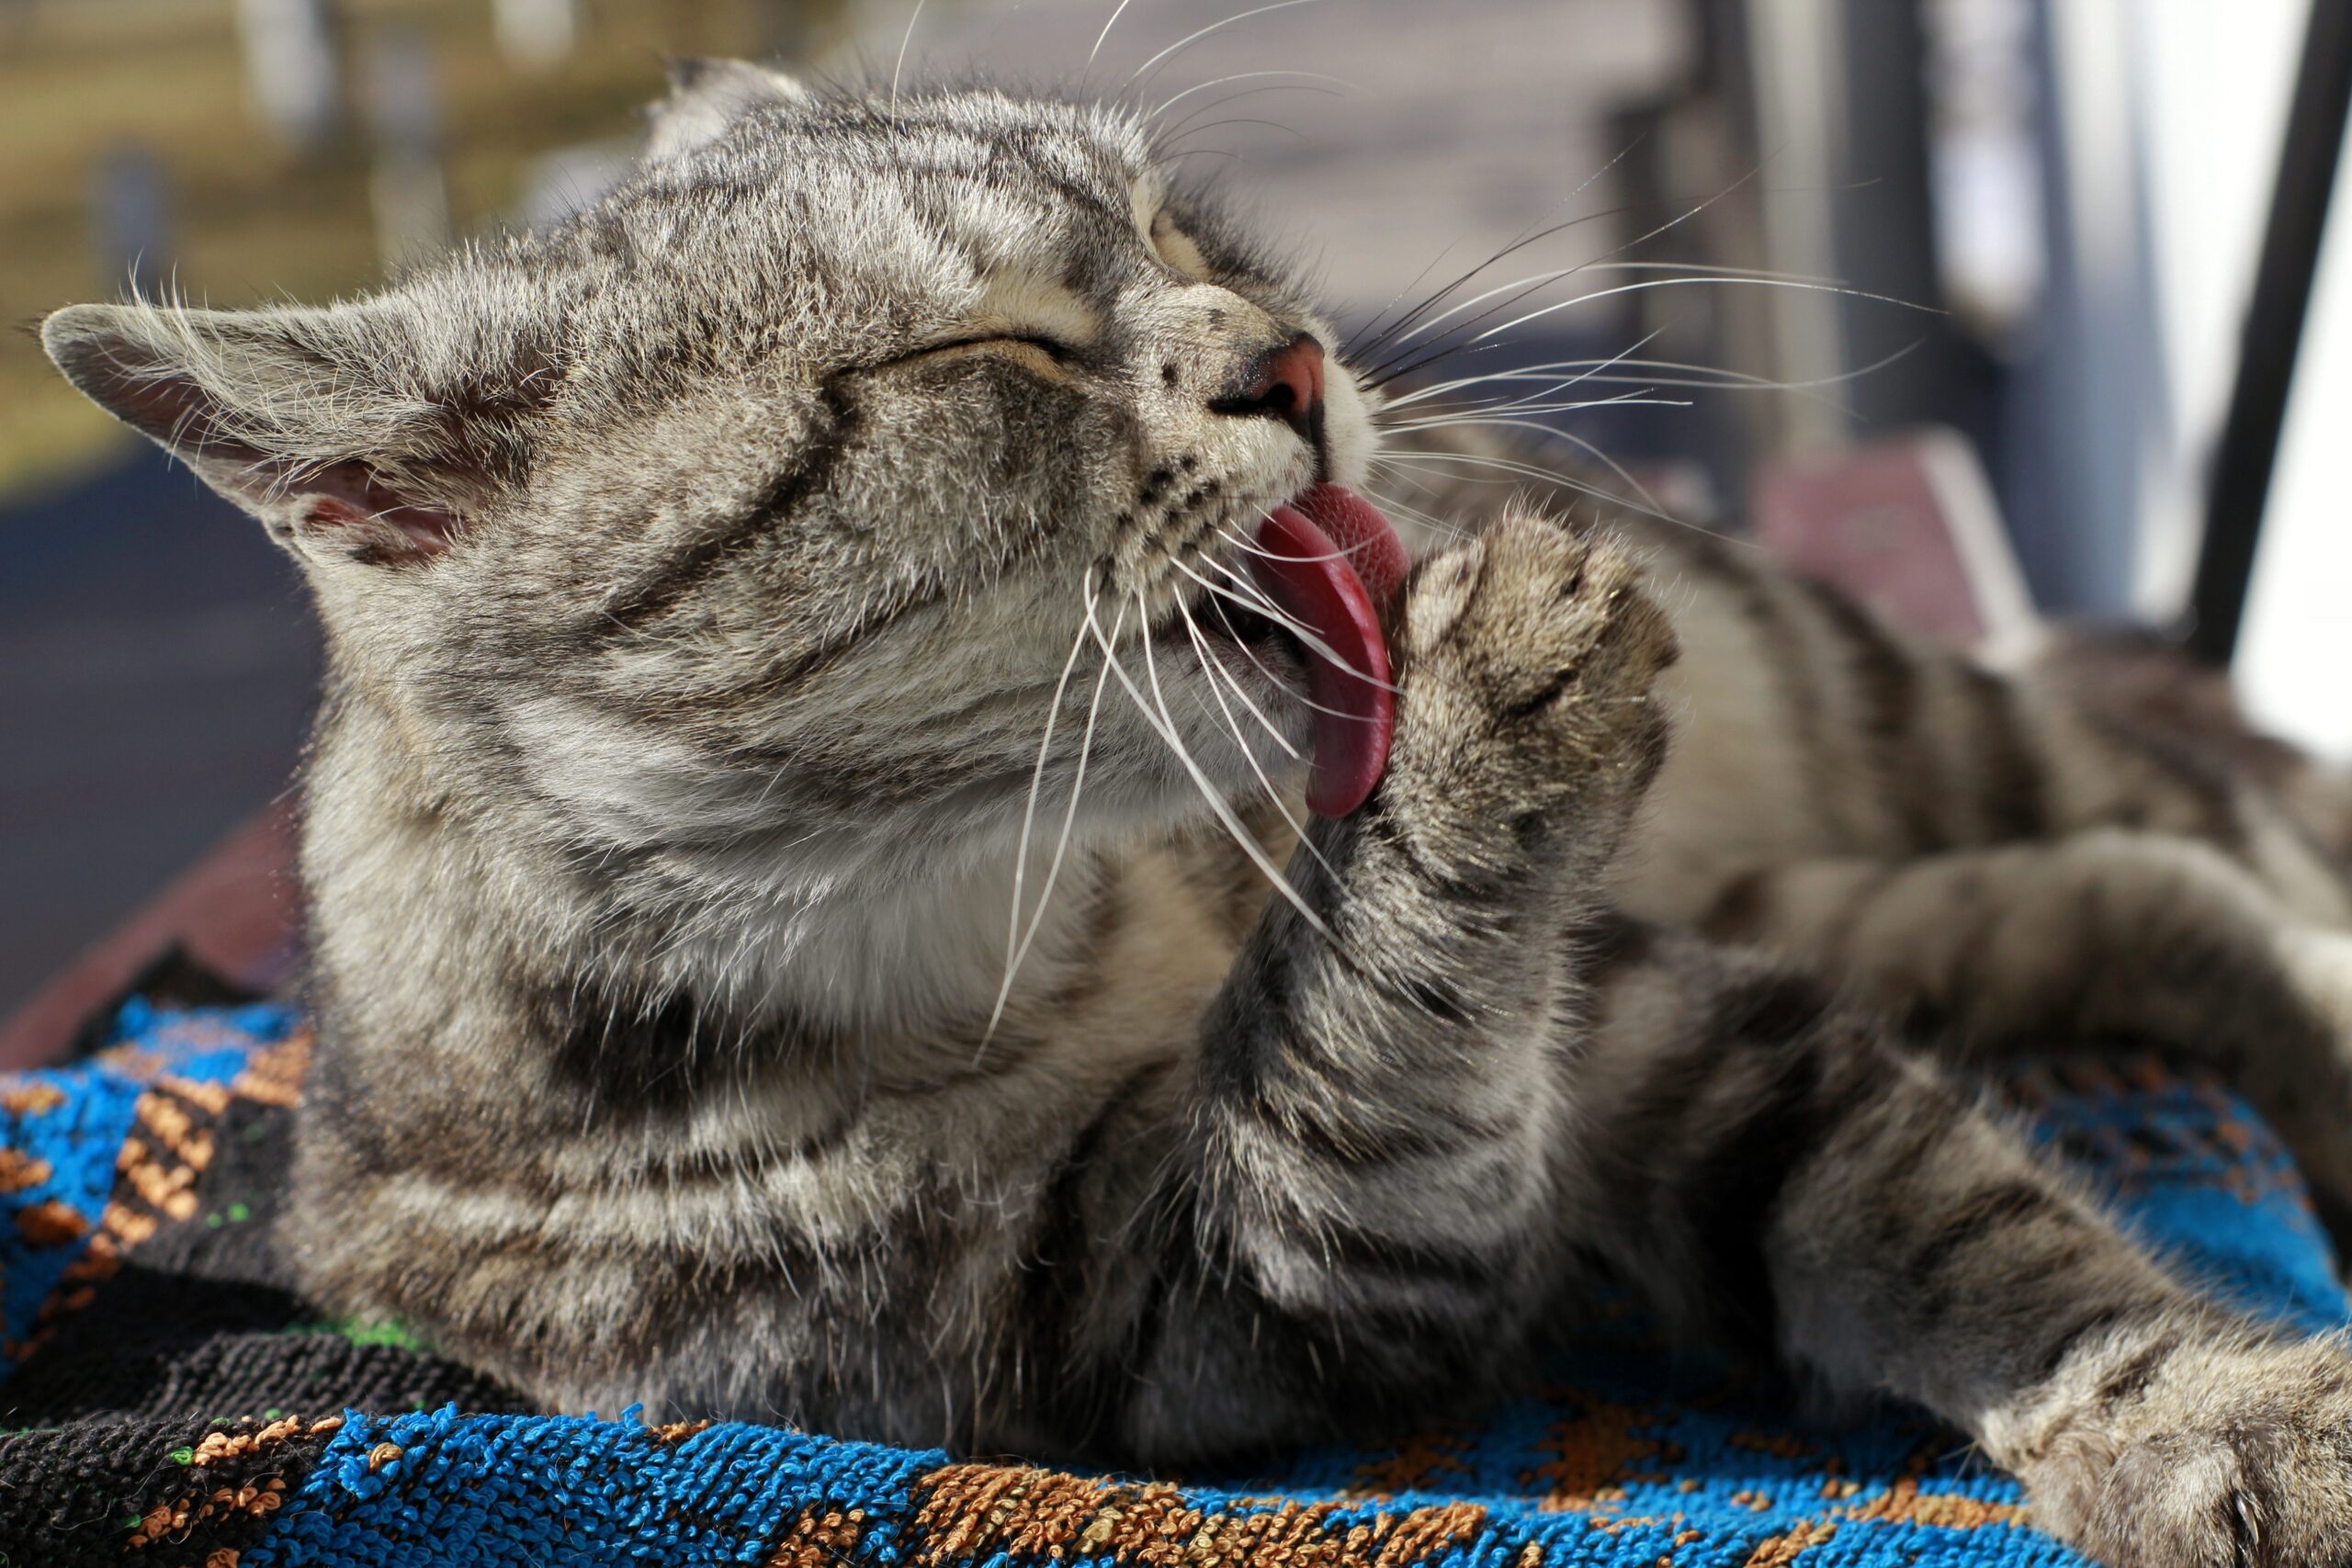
1329, 563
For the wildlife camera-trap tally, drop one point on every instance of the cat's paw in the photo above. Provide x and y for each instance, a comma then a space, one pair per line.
1526, 656
2239, 1459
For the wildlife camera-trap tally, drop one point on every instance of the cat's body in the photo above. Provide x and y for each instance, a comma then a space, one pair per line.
699, 581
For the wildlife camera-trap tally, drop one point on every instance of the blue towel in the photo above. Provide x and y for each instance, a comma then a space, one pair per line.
172, 1402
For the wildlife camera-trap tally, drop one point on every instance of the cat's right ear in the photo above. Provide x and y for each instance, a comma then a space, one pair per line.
708, 95
311, 420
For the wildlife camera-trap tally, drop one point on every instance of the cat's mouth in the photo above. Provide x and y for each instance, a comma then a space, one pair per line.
1330, 563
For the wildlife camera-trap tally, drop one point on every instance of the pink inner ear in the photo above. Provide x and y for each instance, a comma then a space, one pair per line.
349, 496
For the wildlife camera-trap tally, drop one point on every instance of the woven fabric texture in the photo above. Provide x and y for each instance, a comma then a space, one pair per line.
168, 1401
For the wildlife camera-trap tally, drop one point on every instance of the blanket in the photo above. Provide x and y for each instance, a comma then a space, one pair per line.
168, 1399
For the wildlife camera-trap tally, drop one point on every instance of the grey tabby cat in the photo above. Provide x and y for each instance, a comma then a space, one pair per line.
744, 600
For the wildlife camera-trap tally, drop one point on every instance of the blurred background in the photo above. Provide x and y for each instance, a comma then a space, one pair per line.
2048, 217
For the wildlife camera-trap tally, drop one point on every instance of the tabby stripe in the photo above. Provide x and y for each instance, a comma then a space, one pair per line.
2130, 1379
626, 612
1999, 1212
1888, 688
1784, 663
1394, 1260
1388, 1146
2009, 775
2054, 1356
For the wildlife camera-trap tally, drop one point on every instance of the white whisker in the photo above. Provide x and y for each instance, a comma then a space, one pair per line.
1200, 645
1616, 359
1490, 414
1241, 76
906, 39
1116, 13
1186, 43
1255, 599
1214, 667
1694, 282
1177, 130
1217, 802
1028, 822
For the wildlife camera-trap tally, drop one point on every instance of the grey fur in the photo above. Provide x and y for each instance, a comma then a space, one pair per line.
700, 579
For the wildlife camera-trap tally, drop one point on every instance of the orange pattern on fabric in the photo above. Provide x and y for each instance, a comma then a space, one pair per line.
978, 1511
1596, 1453
274, 1074
19, 1170
819, 1541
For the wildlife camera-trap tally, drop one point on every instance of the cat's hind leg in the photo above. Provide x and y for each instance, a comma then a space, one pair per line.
2109, 937
1765, 1164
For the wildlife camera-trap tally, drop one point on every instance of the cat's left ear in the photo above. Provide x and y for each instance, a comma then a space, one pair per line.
325, 424
706, 97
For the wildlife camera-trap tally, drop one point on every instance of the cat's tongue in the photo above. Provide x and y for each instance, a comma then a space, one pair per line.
1331, 562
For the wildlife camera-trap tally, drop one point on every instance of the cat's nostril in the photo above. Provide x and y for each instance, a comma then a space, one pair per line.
1286, 383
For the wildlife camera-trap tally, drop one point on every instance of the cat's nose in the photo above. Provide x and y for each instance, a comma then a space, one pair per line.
1286, 384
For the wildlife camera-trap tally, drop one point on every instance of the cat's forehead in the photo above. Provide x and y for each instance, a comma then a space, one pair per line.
997, 190
976, 169
831, 232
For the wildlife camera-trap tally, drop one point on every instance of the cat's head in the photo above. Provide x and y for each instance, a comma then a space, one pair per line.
763, 502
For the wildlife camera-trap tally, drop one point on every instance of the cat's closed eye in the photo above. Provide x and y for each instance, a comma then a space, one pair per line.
1052, 348
1175, 247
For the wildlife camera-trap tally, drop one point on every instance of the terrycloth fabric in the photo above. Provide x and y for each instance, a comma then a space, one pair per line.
170, 1402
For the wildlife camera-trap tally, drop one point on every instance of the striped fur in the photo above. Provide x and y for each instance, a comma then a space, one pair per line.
708, 586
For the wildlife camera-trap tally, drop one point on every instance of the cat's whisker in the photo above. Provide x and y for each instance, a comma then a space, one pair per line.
1200, 645
1166, 728
1525, 240
1170, 136
1248, 546
1028, 823
1552, 475
1214, 667
1492, 416
1181, 44
1240, 76
1696, 280
1414, 513
1602, 264
908, 38
1275, 681
1392, 369
1516, 469
1256, 601
1117, 11
1242, 119
1386, 337
1657, 508
1708, 377
1532, 280
1622, 357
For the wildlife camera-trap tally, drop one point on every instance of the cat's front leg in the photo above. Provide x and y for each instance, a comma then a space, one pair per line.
1368, 1216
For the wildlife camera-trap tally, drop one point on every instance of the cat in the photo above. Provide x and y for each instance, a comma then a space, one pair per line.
811, 915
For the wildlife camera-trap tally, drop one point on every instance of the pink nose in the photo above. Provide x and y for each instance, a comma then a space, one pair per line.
1286, 384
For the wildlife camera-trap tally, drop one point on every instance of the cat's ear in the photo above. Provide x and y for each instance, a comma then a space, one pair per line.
311, 420
708, 95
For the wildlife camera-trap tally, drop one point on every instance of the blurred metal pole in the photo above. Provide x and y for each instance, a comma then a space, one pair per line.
293, 69
405, 186
535, 34
2240, 484
131, 197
